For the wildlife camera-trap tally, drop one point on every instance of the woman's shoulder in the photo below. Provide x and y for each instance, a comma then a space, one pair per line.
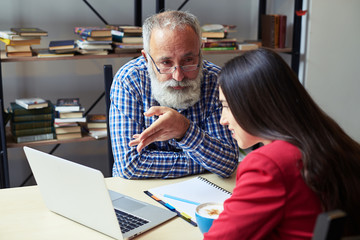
282, 155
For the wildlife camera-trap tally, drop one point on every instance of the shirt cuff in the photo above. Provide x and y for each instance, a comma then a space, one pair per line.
192, 138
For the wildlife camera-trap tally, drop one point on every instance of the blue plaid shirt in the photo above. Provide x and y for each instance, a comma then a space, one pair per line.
206, 145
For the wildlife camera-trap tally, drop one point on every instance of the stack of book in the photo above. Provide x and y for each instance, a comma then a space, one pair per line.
214, 37
19, 41
68, 116
94, 40
127, 38
34, 123
96, 125
59, 48
273, 30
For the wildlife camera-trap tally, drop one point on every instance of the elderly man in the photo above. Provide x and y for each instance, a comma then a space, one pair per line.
165, 111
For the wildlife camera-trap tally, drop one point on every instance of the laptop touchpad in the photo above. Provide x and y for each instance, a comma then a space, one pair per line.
127, 204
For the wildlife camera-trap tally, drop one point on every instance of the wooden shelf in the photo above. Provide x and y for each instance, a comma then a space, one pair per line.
11, 144
116, 55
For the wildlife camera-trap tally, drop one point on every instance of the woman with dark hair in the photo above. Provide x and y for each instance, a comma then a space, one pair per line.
307, 163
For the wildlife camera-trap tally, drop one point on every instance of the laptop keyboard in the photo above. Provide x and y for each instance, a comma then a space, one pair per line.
128, 222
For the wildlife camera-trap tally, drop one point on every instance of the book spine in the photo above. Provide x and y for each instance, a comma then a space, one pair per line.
282, 31
32, 131
27, 118
33, 138
219, 44
218, 48
27, 125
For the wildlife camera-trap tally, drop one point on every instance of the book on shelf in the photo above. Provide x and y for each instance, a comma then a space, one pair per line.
213, 31
219, 44
73, 114
34, 138
31, 124
271, 32
17, 48
29, 31
218, 48
32, 131
282, 30
96, 38
69, 120
118, 36
46, 53
68, 129
98, 133
192, 192
13, 36
126, 28
89, 46
67, 105
62, 44
31, 103
33, 41
16, 109
93, 52
19, 54
93, 31
94, 42
96, 121
247, 46
68, 135
34, 117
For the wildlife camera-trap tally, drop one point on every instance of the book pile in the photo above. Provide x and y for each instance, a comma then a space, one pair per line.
215, 38
32, 124
68, 115
127, 38
96, 125
18, 41
273, 30
94, 40
58, 48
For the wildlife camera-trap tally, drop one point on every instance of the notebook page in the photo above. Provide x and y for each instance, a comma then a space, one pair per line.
197, 189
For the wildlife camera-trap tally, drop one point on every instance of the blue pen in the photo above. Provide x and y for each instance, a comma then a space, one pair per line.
181, 199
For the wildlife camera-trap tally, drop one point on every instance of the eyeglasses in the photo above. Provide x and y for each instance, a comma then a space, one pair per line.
170, 70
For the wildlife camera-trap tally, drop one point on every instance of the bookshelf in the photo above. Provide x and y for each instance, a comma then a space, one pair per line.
6, 142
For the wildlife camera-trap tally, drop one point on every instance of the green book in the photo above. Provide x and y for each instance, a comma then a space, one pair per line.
16, 109
32, 131
37, 117
31, 124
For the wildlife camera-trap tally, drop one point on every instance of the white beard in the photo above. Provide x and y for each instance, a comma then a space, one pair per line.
164, 93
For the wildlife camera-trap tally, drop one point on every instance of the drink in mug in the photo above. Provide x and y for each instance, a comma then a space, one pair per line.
206, 213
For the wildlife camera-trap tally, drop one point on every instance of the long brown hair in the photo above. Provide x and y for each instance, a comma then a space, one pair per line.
268, 101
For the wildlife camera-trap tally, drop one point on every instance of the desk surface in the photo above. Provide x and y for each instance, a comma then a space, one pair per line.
23, 214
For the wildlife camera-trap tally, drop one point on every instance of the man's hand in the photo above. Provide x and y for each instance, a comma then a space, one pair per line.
170, 124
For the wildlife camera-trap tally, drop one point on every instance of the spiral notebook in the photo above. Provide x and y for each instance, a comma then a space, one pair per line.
185, 196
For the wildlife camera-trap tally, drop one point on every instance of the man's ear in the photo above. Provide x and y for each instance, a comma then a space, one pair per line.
144, 54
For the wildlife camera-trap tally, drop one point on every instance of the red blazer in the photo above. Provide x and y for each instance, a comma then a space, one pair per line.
270, 199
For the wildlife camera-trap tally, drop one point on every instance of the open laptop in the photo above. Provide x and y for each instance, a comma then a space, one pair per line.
79, 193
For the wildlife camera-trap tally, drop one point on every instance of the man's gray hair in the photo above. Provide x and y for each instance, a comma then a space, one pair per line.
171, 20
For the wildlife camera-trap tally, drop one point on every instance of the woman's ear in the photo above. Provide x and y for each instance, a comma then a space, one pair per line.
144, 54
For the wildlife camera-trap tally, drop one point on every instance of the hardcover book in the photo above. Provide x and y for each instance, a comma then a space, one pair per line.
61, 44
33, 124
93, 31
31, 131
69, 135
34, 41
31, 103
33, 138
67, 105
29, 31
35, 117
16, 109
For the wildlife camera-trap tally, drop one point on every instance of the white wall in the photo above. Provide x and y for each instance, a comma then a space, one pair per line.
84, 78
333, 60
